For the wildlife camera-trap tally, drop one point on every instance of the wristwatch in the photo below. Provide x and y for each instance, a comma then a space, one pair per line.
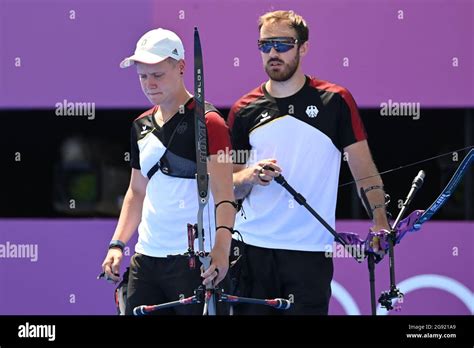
117, 244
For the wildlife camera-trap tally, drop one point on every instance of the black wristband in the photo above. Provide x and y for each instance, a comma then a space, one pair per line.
230, 229
374, 187
377, 206
117, 244
234, 204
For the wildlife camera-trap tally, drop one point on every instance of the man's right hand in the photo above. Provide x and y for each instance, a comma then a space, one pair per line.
111, 264
263, 172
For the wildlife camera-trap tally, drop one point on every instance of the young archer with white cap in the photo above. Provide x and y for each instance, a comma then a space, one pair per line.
162, 196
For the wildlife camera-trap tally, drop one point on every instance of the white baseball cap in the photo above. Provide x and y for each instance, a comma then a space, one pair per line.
154, 47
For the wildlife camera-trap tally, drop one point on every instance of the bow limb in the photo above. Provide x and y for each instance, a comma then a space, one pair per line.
202, 176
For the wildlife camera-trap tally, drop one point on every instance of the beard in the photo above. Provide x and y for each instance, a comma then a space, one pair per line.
287, 70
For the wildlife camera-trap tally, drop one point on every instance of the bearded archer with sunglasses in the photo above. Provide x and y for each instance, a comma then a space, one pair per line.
299, 126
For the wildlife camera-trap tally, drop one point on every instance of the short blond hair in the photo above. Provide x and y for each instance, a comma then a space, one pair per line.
294, 20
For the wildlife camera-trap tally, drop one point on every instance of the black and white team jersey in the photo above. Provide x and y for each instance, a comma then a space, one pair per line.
306, 133
167, 155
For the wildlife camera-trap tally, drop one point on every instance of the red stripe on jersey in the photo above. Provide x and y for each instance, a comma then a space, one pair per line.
191, 104
217, 133
242, 102
357, 125
148, 112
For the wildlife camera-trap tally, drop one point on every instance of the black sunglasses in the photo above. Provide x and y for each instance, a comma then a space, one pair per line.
280, 44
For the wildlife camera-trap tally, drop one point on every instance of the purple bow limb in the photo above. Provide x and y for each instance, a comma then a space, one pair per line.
351, 238
377, 243
407, 225
373, 243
